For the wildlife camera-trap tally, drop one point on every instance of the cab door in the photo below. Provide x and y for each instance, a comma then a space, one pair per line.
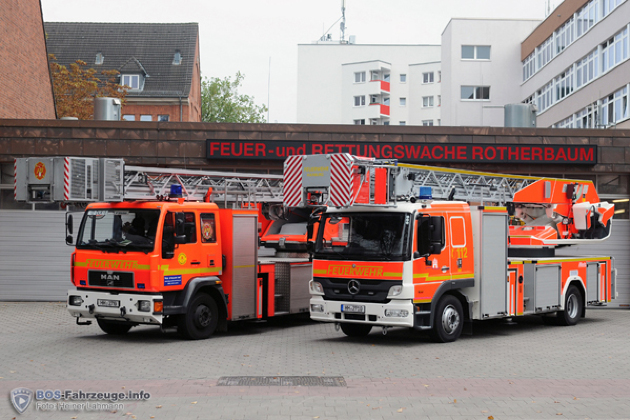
183, 261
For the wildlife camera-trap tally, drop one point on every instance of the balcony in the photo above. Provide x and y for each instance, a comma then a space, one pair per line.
384, 86
383, 110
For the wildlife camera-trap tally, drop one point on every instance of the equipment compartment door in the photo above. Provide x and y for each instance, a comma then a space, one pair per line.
493, 276
592, 282
513, 295
244, 277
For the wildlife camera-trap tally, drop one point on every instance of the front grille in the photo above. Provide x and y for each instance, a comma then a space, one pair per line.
369, 290
110, 278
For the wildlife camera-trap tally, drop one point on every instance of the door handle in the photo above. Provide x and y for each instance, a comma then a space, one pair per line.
195, 262
445, 269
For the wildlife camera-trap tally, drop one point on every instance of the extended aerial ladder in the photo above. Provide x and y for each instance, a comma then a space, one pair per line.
342, 180
82, 180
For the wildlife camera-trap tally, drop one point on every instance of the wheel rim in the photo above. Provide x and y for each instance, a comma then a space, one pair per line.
203, 316
450, 319
572, 306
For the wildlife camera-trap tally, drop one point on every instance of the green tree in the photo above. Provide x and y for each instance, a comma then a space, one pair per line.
221, 102
76, 87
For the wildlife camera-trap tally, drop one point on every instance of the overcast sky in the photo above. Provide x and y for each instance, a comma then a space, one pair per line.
242, 35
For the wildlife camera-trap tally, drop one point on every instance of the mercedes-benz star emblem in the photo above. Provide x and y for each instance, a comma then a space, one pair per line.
354, 286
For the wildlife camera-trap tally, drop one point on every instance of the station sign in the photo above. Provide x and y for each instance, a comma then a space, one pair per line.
424, 153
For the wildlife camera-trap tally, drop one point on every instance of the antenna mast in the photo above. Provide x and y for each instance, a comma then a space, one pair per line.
343, 21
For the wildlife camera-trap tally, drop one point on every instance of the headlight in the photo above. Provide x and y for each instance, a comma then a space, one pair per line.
317, 288
144, 306
317, 307
396, 313
75, 301
395, 290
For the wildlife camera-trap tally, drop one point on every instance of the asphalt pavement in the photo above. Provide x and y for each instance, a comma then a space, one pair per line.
293, 368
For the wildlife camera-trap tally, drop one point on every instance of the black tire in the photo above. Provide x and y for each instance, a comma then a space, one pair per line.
356, 330
573, 306
448, 321
113, 327
201, 318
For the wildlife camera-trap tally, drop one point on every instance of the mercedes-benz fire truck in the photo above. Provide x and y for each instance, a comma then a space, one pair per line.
173, 247
428, 248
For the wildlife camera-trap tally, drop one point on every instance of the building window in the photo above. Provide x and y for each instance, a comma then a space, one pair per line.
403, 101
475, 93
386, 77
163, 118
359, 77
99, 59
529, 66
403, 78
146, 118
615, 107
585, 18
373, 99
615, 50
427, 77
439, 100
586, 69
373, 121
402, 123
564, 35
386, 100
385, 122
475, 52
427, 122
374, 75
544, 53
359, 122
129, 117
359, 100
427, 101
177, 58
131, 80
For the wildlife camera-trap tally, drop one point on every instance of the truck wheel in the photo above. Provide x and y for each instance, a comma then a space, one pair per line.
448, 321
356, 330
113, 327
572, 307
200, 319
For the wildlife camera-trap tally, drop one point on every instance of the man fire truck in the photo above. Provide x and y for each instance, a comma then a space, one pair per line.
173, 247
389, 254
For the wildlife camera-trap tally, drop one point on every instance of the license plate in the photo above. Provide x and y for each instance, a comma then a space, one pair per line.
108, 303
357, 309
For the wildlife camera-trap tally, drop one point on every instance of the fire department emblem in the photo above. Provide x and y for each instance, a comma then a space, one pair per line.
40, 171
207, 231
182, 258
21, 398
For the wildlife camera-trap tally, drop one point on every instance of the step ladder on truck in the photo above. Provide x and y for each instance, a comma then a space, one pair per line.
173, 247
428, 248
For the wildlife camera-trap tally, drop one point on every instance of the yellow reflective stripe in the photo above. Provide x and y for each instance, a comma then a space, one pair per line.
494, 208
453, 277
319, 271
191, 271
460, 276
543, 261
392, 274
421, 300
516, 262
461, 171
420, 275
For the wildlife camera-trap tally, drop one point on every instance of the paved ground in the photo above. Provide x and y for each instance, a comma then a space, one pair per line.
520, 371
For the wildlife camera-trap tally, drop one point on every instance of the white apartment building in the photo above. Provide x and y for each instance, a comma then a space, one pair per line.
575, 65
481, 69
368, 84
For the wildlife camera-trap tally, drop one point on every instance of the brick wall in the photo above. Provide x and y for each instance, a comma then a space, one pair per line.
24, 77
184, 144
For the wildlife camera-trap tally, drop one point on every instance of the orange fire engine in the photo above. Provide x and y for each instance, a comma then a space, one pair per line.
173, 247
390, 255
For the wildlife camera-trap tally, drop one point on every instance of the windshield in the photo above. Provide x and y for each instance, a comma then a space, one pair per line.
118, 230
365, 236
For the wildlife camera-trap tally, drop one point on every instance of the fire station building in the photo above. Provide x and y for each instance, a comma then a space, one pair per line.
34, 260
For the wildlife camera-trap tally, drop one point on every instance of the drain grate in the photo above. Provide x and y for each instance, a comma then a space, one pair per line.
281, 381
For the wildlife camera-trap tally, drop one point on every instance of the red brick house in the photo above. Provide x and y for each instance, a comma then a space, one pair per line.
24, 78
158, 61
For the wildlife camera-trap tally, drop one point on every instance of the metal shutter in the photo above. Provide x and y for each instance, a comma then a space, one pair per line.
617, 246
34, 258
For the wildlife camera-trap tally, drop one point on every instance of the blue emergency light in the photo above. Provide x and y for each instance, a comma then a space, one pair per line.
425, 193
176, 191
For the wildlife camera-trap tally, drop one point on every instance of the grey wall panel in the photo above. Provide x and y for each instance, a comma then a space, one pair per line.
617, 246
34, 259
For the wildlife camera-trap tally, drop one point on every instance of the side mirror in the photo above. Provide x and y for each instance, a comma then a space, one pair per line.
69, 238
180, 228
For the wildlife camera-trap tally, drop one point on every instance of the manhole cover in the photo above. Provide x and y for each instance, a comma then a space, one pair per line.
281, 381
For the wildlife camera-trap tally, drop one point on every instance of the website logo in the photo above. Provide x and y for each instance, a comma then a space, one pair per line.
21, 399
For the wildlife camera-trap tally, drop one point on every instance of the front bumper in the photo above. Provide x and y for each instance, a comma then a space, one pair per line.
127, 311
374, 312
